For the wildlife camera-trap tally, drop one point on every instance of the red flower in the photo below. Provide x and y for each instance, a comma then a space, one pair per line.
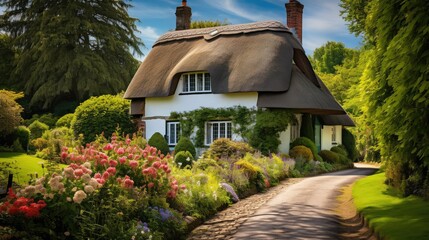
120, 151
108, 147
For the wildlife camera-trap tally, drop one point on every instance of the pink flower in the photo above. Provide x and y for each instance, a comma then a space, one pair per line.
122, 160
130, 156
128, 183
113, 163
111, 170
134, 164
156, 165
150, 185
78, 172
97, 175
108, 147
101, 181
183, 186
64, 155
106, 175
128, 141
120, 151
103, 161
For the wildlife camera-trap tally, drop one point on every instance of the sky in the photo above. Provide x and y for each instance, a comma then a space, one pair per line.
321, 18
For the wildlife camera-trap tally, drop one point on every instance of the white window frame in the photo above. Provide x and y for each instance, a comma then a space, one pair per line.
210, 131
294, 131
173, 142
204, 88
334, 135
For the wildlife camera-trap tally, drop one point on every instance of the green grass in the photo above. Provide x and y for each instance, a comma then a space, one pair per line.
24, 165
390, 215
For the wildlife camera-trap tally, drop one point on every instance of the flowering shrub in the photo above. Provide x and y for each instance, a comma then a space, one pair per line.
106, 191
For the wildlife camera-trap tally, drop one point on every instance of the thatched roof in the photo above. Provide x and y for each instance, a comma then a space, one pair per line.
257, 57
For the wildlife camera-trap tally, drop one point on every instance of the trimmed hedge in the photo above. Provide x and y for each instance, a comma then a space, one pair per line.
103, 114
37, 128
183, 159
301, 152
329, 156
65, 121
339, 150
349, 143
158, 141
303, 141
185, 144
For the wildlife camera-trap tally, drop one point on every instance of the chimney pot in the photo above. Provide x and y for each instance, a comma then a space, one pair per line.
183, 2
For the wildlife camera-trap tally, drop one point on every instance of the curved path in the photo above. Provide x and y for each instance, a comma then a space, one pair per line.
303, 210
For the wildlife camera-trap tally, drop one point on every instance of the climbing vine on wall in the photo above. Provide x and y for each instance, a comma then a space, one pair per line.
261, 128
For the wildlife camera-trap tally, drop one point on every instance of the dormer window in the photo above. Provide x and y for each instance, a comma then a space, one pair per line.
198, 82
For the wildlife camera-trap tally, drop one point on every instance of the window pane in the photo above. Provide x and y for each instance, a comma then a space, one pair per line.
192, 82
200, 82
207, 84
229, 130
222, 130
209, 133
185, 82
177, 132
215, 131
172, 136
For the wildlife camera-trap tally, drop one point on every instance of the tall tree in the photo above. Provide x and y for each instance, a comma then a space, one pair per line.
396, 86
71, 49
10, 111
328, 56
6, 61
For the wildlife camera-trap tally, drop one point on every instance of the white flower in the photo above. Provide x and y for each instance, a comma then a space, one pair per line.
86, 178
88, 189
79, 196
87, 165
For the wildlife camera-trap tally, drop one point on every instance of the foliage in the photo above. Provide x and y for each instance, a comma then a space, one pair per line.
302, 152
7, 61
23, 136
158, 141
66, 57
51, 142
349, 143
110, 190
389, 214
103, 114
328, 56
266, 132
329, 156
65, 121
183, 159
226, 148
307, 129
185, 144
10, 111
253, 171
207, 24
339, 150
241, 118
48, 119
37, 129
303, 141
396, 88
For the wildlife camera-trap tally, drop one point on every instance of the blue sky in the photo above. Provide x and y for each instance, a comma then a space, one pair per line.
321, 18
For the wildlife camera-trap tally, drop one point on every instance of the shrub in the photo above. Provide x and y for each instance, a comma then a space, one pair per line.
317, 157
37, 128
48, 119
158, 141
349, 143
185, 144
23, 135
339, 151
65, 121
253, 171
329, 156
183, 159
101, 114
307, 129
10, 111
226, 148
303, 141
301, 152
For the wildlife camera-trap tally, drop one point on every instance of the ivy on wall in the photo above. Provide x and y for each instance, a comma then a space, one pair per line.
261, 128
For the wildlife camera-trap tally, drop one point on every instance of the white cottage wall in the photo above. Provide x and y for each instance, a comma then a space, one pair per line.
327, 142
285, 136
162, 106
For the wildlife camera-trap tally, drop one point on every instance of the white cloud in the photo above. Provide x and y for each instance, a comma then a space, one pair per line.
148, 33
144, 10
324, 18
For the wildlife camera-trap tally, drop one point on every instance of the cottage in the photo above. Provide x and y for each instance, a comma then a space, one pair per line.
255, 65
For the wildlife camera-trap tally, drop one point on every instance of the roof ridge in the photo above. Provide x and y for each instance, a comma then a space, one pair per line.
213, 32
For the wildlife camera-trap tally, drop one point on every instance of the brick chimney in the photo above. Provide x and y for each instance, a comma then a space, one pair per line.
183, 16
294, 17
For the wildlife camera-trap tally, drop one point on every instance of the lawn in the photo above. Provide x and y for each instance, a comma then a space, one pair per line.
392, 216
25, 165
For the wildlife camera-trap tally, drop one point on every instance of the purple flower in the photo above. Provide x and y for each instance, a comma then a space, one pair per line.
231, 191
165, 214
143, 226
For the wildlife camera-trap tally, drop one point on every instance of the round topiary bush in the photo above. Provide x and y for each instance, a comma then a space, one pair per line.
339, 150
37, 128
183, 159
301, 152
329, 156
185, 144
65, 121
226, 148
102, 114
158, 141
303, 141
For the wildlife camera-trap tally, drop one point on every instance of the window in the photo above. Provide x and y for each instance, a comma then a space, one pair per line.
334, 135
196, 82
173, 132
215, 130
